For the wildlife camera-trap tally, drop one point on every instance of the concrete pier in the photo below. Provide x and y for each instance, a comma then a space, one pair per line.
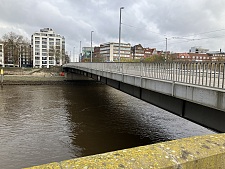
196, 152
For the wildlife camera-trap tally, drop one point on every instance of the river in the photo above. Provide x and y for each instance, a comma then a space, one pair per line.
46, 123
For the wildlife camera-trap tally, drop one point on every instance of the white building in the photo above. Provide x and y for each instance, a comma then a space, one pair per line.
1, 54
48, 48
198, 49
110, 51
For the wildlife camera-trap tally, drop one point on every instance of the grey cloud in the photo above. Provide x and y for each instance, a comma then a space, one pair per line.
144, 21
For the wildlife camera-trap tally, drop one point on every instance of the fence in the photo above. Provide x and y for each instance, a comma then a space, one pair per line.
210, 74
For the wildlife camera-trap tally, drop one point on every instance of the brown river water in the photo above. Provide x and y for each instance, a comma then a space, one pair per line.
47, 123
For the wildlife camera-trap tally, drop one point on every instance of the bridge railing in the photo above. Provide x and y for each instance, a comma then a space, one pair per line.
210, 74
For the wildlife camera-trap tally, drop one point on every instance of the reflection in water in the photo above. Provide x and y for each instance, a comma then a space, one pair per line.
42, 124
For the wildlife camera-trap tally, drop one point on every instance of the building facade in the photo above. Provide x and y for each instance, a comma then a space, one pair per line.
138, 52
86, 54
217, 56
48, 48
199, 57
110, 51
148, 52
25, 55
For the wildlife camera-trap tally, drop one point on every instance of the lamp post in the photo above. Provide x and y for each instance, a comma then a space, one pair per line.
91, 45
166, 51
80, 53
120, 31
73, 54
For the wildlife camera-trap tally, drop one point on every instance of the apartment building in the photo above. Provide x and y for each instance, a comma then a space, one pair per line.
138, 51
86, 53
25, 55
191, 57
217, 55
1, 54
48, 48
110, 51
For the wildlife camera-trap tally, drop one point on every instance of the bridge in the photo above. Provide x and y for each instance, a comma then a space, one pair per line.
193, 90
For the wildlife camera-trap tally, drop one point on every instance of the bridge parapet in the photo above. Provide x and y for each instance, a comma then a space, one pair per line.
208, 74
196, 152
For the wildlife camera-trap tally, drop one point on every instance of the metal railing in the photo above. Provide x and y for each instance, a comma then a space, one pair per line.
210, 74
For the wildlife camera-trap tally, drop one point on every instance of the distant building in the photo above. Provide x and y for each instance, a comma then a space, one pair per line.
198, 50
137, 51
217, 55
2, 54
15, 54
25, 56
97, 56
86, 53
148, 52
110, 51
191, 57
48, 48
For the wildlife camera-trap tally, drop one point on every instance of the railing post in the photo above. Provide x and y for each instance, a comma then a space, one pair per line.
173, 79
141, 74
122, 72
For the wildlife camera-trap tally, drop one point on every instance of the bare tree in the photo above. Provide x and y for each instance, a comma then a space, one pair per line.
12, 43
55, 53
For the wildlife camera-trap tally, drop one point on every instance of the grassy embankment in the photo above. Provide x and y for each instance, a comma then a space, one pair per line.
32, 76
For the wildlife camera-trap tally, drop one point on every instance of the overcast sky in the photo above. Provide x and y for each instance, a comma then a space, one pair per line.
185, 23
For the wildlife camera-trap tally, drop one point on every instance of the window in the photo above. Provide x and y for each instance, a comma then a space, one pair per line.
51, 58
51, 62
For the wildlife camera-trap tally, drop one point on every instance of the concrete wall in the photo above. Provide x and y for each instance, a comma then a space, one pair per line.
204, 152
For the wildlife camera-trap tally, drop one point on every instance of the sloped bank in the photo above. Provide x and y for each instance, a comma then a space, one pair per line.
41, 80
33, 80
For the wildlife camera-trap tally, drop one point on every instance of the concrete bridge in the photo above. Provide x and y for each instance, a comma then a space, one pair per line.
194, 91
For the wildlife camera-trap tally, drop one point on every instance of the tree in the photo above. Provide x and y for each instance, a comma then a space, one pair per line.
154, 58
55, 54
12, 47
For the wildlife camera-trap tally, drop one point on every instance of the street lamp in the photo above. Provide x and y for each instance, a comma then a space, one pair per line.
120, 32
166, 51
80, 53
91, 45
74, 54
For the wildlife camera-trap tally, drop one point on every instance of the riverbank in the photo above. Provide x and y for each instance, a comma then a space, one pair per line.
33, 80
30, 76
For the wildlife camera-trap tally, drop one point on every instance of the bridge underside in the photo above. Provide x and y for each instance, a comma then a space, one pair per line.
203, 115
